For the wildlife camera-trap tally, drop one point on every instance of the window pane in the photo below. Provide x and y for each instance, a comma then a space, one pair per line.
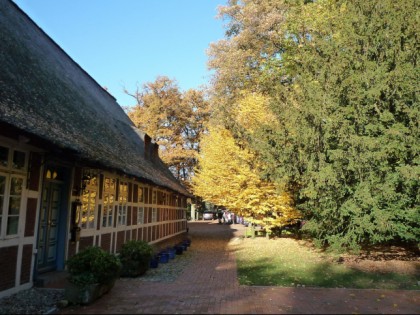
88, 208
4, 154
12, 225
154, 201
14, 205
104, 216
140, 194
2, 184
140, 216
18, 160
84, 214
16, 186
110, 220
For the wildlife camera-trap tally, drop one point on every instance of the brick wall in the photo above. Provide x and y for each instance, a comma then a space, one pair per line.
25, 275
30, 217
120, 240
106, 241
8, 267
85, 242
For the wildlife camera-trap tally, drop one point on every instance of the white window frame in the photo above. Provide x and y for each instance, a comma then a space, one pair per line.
140, 215
154, 197
122, 203
154, 215
108, 203
9, 172
90, 203
140, 195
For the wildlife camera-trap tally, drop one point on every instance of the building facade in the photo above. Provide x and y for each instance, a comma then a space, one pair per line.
74, 170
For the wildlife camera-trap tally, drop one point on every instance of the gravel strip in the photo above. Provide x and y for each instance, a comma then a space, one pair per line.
167, 272
44, 301
31, 301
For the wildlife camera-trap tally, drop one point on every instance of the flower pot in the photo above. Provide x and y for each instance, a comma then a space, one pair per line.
171, 252
134, 268
154, 262
87, 294
163, 257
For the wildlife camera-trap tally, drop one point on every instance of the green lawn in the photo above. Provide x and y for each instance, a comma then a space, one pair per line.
285, 262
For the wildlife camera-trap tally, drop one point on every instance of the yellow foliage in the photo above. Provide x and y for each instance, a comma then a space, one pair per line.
252, 111
225, 178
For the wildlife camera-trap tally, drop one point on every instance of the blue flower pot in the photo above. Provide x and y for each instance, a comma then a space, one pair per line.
172, 252
164, 257
154, 262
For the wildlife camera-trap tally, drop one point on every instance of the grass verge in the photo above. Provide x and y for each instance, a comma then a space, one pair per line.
286, 262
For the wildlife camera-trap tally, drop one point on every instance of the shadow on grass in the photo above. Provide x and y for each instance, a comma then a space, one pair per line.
318, 274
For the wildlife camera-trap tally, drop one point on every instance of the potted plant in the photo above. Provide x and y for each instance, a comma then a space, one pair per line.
92, 273
135, 257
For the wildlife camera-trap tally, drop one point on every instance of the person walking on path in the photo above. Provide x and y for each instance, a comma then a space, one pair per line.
208, 284
220, 216
225, 217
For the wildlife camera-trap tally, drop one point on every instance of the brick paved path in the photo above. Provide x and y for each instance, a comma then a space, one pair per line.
209, 286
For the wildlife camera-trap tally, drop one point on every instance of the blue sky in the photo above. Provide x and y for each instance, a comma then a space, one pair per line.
126, 43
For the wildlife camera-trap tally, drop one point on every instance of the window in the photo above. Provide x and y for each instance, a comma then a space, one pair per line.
12, 159
4, 156
122, 204
146, 195
11, 189
154, 197
165, 199
141, 195
140, 211
18, 160
140, 215
154, 215
89, 202
109, 200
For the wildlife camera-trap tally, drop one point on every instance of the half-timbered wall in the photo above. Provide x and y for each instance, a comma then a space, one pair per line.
115, 209
111, 210
19, 201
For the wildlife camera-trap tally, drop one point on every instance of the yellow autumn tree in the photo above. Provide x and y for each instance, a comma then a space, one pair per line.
227, 176
252, 110
173, 119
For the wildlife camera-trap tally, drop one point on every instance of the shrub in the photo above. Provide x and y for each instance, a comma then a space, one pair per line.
93, 265
135, 257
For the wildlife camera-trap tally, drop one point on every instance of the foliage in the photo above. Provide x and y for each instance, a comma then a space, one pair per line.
93, 265
340, 77
135, 257
228, 177
174, 120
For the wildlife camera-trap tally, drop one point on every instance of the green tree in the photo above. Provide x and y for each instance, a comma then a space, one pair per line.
341, 77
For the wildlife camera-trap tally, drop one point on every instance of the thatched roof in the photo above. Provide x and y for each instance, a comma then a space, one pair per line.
46, 94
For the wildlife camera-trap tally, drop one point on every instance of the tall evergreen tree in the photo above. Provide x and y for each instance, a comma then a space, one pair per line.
342, 79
